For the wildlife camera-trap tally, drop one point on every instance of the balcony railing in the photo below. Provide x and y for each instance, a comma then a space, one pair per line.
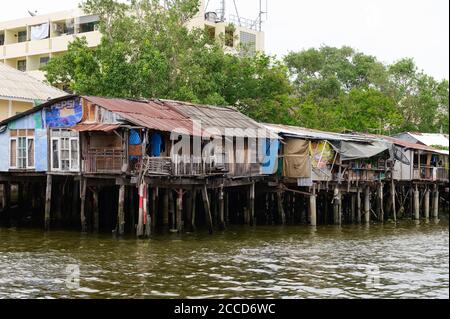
196, 166
104, 161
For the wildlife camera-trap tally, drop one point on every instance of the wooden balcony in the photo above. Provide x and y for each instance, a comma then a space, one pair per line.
104, 161
195, 167
430, 173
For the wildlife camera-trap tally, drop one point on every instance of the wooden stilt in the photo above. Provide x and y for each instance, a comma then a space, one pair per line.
173, 226
121, 211
426, 204
394, 206
227, 208
194, 208
358, 206
380, 203
416, 204
367, 205
83, 187
166, 208
207, 209
252, 204
48, 202
179, 210
352, 208
312, 207
436, 202
221, 209
337, 210
95, 210
281, 214
150, 211
141, 217
132, 205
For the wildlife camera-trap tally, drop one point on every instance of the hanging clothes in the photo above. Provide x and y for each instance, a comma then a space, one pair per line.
40, 31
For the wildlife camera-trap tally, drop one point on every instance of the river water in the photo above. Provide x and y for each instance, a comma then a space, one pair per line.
407, 260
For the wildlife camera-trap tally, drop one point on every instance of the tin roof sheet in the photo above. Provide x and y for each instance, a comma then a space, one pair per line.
15, 84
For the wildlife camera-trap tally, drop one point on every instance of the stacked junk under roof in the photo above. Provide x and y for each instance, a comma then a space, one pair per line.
141, 166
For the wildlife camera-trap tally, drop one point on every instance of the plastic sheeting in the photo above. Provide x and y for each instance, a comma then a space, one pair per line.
40, 31
297, 162
351, 151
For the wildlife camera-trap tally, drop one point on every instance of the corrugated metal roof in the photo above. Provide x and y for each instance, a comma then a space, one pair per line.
96, 127
219, 118
15, 84
431, 139
147, 114
406, 144
311, 134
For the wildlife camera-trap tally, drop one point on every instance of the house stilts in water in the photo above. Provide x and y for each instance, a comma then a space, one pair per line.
136, 166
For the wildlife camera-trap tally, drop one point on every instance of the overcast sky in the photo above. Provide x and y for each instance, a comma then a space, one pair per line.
388, 29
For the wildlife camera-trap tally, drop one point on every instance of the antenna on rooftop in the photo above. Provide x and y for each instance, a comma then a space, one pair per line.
32, 13
220, 15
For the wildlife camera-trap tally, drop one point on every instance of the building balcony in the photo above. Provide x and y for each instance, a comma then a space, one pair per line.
15, 50
39, 46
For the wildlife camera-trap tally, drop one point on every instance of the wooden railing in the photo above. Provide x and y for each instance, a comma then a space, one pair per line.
196, 166
442, 174
104, 160
430, 173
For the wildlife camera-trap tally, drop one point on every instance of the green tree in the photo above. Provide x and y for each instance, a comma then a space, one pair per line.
150, 53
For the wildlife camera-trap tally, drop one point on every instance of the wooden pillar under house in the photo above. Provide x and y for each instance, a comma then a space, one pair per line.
281, 214
221, 209
394, 206
207, 207
121, 211
95, 208
367, 205
358, 206
48, 202
426, 203
313, 207
416, 203
436, 202
179, 210
252, 203
337, 207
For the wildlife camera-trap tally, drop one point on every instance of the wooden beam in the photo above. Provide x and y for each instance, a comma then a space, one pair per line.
48, 202
83, 187
121, 211
207, 208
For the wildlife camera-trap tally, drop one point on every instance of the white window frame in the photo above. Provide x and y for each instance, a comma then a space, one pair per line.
10, 148
27, 138
59, 169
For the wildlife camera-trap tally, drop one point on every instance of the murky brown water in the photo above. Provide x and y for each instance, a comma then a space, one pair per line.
264, 262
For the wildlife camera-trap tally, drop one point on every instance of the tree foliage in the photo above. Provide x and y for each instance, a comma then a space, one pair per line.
147, 51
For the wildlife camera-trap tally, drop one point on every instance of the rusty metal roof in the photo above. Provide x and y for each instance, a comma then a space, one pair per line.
95, 127
149, 114
221, 119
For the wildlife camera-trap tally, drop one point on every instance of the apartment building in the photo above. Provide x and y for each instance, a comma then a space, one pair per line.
29, 43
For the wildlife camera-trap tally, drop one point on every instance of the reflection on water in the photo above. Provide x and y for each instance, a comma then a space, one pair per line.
405, 261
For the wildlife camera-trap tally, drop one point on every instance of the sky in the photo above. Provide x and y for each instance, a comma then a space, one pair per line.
387, 29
